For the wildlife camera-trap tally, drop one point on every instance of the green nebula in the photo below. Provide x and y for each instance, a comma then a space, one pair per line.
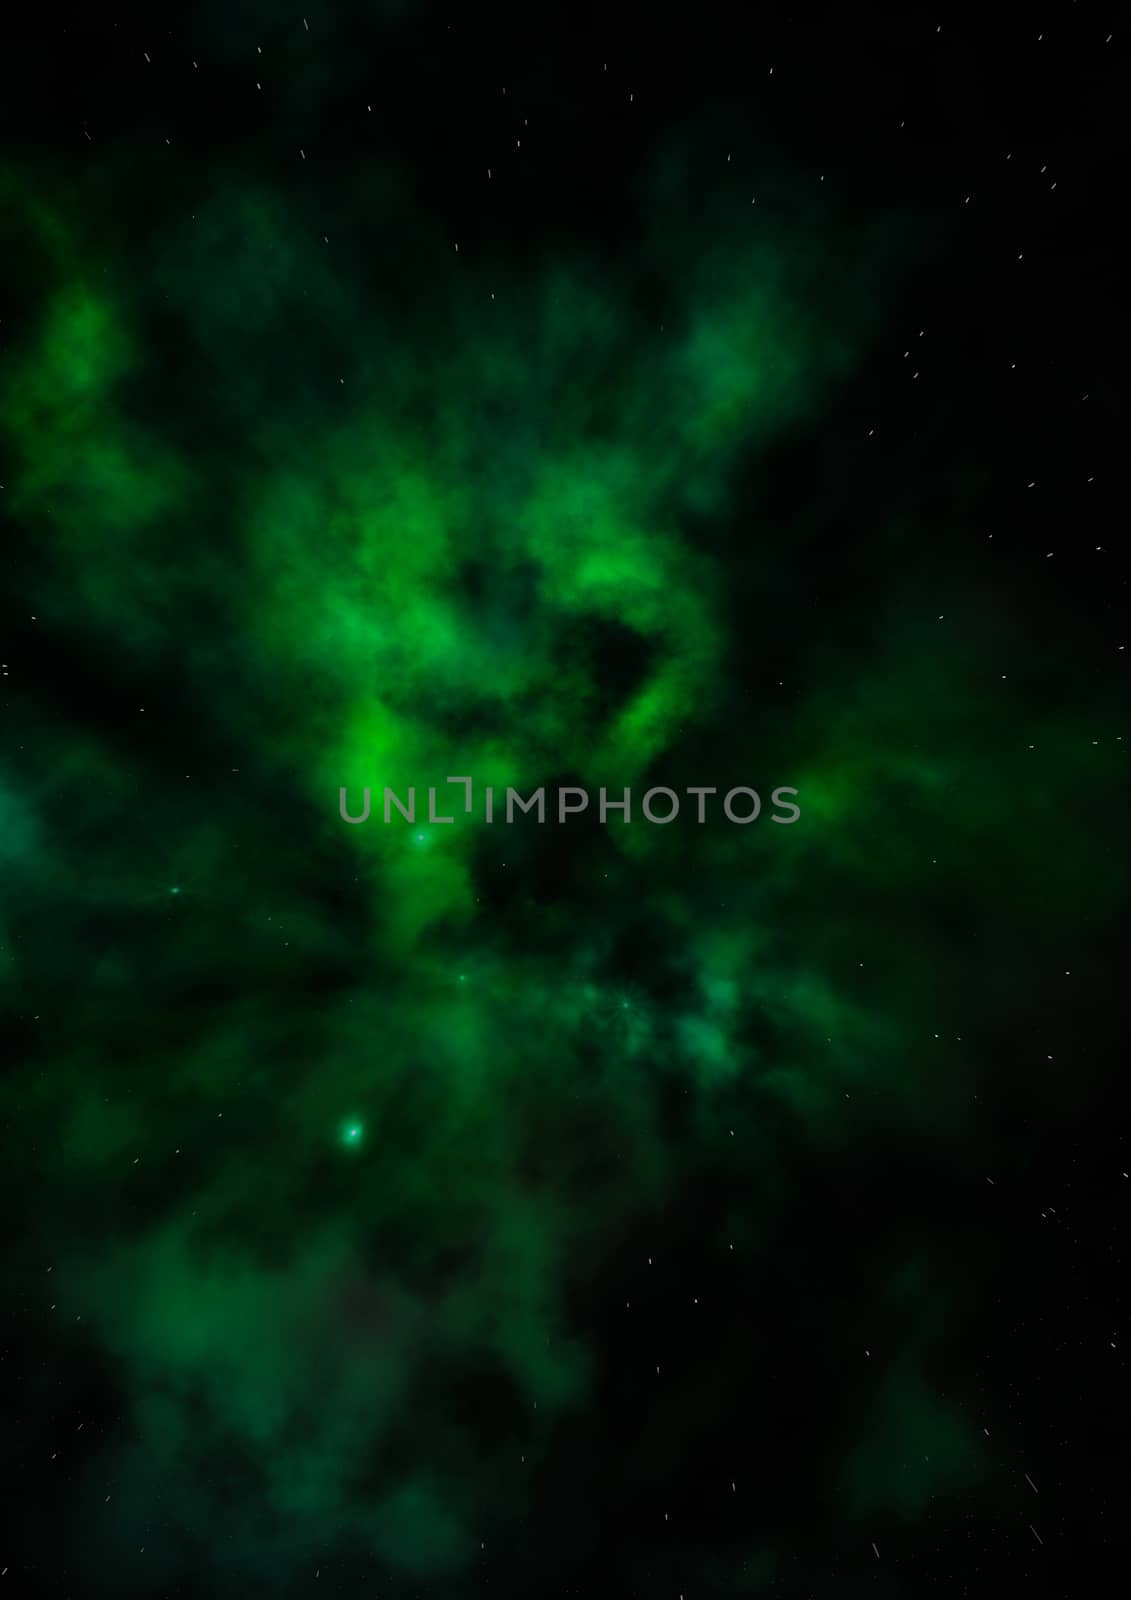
285, 529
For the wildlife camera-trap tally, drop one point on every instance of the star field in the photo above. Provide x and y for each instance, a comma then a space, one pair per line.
568, 398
